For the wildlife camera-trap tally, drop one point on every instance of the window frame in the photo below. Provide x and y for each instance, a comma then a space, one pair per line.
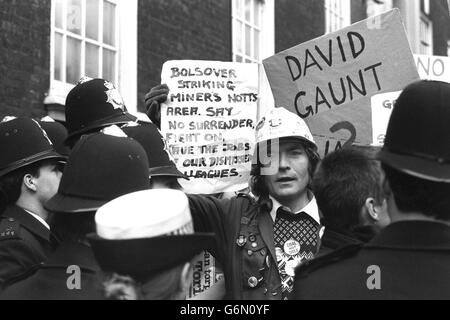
344, 14
426, 7
266, 47
125, 73
425, 45
266, 30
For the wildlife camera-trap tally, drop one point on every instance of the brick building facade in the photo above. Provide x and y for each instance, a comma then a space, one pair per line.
162, 30
194, 30
24, 56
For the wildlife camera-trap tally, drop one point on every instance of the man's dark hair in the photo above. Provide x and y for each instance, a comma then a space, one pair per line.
73, 226
11, 183
257, 182
413, 194
343, 182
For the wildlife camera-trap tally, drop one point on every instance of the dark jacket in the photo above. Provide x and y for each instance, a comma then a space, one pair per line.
251, 272
334, 239
54, 281
24, 243
409, 260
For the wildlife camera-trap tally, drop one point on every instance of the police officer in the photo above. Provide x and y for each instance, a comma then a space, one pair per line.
30, 173
261, 242
163, 172
57, 134
146, 253
409, 258
100, 168
92, 105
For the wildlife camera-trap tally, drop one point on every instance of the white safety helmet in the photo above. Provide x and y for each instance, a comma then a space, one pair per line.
279, 123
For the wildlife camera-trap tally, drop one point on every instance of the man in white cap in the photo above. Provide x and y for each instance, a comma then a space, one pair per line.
146, 251
261, 242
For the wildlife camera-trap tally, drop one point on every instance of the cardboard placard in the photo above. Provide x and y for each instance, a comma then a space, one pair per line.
209, 122
429, 68
433, 67
329, 81
382, 106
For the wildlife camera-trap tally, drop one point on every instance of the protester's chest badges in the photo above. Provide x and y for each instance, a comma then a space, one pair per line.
292, 247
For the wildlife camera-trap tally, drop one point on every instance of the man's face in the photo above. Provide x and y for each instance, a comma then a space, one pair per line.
47, 181
292, 177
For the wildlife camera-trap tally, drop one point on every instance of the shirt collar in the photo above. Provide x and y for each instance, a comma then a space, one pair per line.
38, 218
310, 209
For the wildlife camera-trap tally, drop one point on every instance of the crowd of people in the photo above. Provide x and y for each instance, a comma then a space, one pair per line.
94, 209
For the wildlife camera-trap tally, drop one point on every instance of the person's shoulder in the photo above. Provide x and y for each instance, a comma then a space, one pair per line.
10, 228
240, 198
329, 259
246, 197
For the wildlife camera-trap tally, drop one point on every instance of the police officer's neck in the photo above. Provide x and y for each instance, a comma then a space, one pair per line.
414, 216
33, 205
295, 203
397, 215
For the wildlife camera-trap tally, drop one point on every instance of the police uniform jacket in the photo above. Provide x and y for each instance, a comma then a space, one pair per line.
24, 243
57, 278
406, 260
334, 239
244, 245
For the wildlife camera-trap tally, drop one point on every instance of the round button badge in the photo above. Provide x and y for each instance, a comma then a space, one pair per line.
292, 247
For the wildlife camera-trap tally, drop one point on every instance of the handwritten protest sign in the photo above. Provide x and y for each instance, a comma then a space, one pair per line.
329, 81
209, 121
205, 274
382, 106
433, 67
429, 68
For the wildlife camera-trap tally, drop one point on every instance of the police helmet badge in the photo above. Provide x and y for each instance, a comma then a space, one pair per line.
114, 97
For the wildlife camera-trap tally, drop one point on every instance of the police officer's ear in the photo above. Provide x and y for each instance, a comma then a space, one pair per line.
28, 182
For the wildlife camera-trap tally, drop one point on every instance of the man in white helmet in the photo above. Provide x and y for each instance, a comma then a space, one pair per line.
260, 242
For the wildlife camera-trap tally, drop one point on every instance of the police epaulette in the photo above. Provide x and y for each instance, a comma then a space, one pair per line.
338, 255
9, 228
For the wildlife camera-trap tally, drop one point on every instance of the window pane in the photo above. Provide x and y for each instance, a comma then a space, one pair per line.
58, 14
73, 63
238, 36
58, 57
238, 8
248, 40
109, 23
74, 16
256, 48
91, 60
247, 10
92, 17
256, 12
109, 65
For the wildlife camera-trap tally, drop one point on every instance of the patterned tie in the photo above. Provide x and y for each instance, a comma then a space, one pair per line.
296, 239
